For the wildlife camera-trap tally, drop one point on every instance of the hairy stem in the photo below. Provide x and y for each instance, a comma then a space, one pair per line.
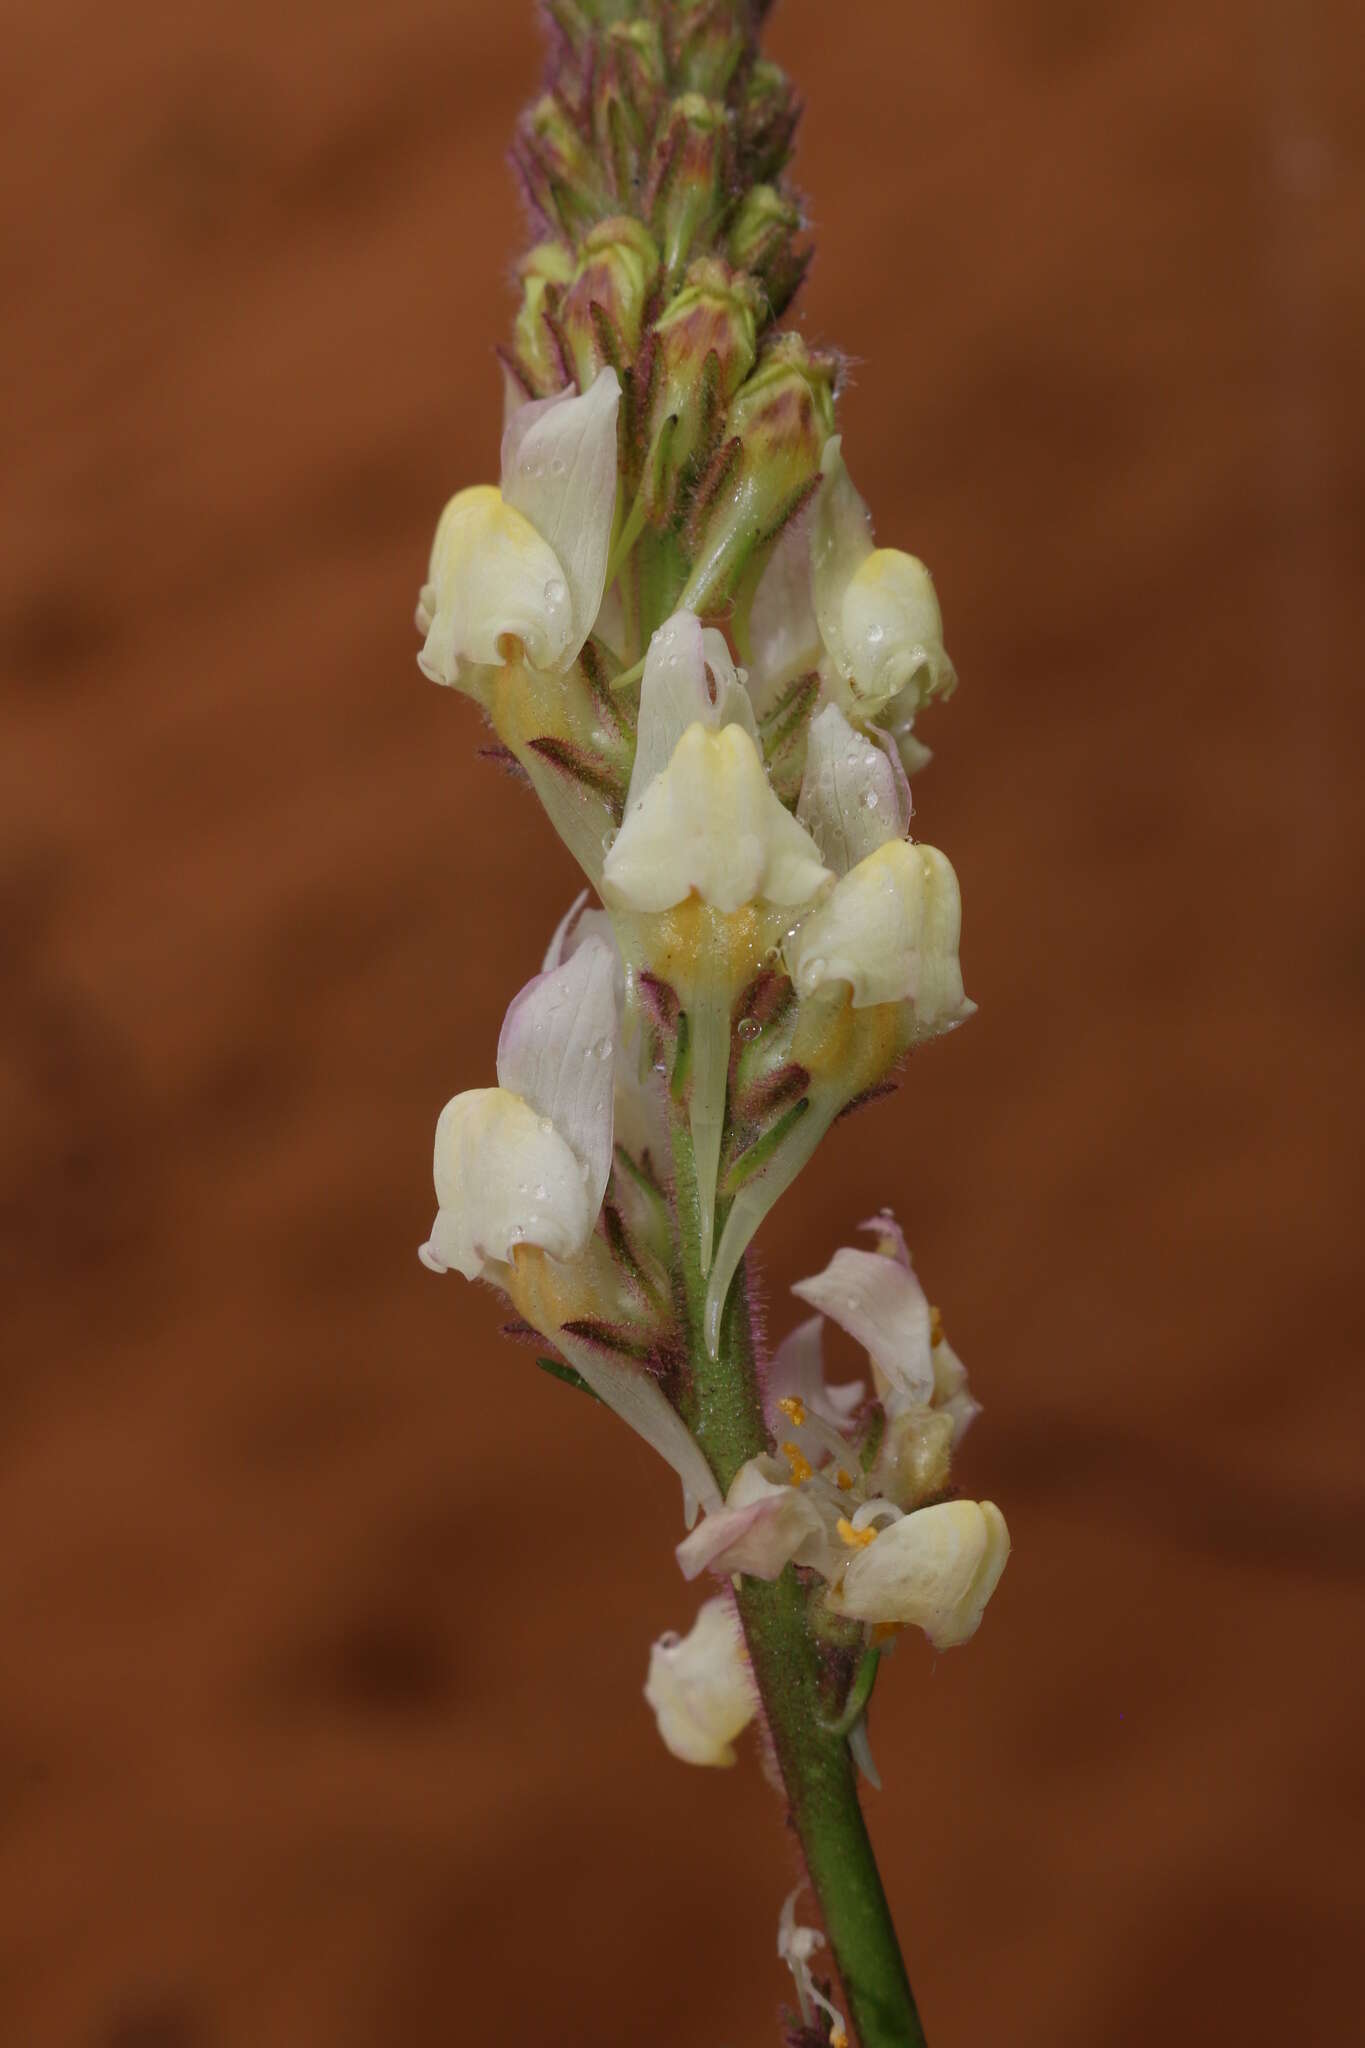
802, 1681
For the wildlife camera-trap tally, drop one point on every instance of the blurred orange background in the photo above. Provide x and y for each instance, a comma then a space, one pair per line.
325, 1614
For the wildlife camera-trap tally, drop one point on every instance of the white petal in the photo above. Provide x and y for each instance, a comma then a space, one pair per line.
798, 1370
881, 1304
504, 1176
701, 1687
840, 542
514, 399
890, 928
558, 1051
559, 471
934, 1570
630, 1392
676, 692
854, 795
492, 577
784, 638
893, 631
950, 1389
711, 823
765, 1525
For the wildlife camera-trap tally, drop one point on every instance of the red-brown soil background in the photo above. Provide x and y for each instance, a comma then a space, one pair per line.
325, 1615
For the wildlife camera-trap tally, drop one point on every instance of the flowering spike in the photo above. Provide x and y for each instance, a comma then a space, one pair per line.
672, 611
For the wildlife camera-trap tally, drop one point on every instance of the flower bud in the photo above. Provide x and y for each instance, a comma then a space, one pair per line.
557, 167
628, 90
708, 42
768, 113
536, 350
603, 306
702, 349
762, 241
775, 432
690, 176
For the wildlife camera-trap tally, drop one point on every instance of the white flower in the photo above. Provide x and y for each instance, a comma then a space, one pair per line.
701, 817
527, 562
701, 1687
934, 1569
527, 1162
879, 618
889, 928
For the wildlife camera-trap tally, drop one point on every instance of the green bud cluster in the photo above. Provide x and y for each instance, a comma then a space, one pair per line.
670, 246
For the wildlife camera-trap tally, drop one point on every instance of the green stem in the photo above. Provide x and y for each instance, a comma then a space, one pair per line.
802, 1686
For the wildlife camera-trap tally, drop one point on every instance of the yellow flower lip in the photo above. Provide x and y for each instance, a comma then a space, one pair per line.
856, 1539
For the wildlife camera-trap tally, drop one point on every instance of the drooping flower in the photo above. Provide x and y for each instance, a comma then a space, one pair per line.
521, 1171
527, 1162
701, 1686
526, 563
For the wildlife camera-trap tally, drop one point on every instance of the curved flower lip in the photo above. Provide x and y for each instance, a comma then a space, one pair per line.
504, 1177
527, 1162
701, 1687
854, 793
890, 928
689, 678
934, 1569
527, 562
710, 824
878, 615
883, 1307
765, 1524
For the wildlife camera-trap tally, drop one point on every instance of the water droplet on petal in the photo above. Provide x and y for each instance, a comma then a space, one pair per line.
748, 1028
554, 591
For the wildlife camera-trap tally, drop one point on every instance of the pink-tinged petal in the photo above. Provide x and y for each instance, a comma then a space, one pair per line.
890, 1237
784, 638
934, 1569
765, 1525
558, 1051
841, 541
854, 795
882, 1305
701, 1687
797, 1372
559, 471
689, 679
504, 1177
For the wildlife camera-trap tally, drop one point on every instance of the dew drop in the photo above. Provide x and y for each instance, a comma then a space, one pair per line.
748, 1028
554, 591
